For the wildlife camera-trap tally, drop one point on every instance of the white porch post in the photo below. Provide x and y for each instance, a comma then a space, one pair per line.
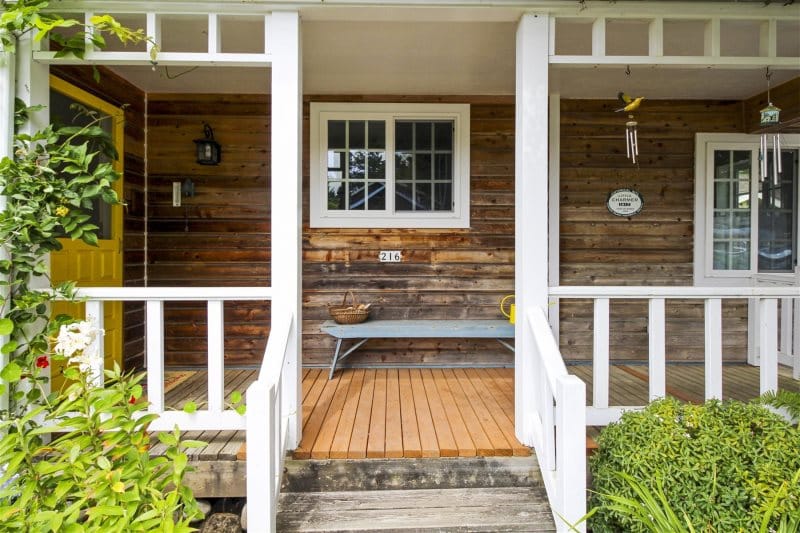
287, 220
7, 84
531, 204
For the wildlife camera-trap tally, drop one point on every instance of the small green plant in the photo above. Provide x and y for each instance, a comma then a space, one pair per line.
96, 475
784, 399
717, 467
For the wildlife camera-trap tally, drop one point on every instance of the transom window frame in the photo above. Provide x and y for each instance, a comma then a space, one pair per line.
705, 145
322, 217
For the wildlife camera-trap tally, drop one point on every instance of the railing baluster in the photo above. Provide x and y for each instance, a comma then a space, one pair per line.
768, 342
154, 316
94, 314
571, 423
548, 422
216, 355
259, 480
713, 343
657, 344
600, 372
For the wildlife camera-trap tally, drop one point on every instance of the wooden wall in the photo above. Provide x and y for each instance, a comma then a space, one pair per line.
652, 248
220, 237
115, 90
444, 273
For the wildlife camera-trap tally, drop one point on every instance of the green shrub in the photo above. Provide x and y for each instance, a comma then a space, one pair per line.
724, 465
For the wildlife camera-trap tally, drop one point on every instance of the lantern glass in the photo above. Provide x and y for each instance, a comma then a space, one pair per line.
208, 152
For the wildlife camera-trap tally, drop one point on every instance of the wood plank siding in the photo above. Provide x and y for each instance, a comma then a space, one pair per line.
445, 273
115, 90
220, 237
654, 247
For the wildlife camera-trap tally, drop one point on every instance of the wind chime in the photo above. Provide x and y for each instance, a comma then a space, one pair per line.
770, 117
629, 105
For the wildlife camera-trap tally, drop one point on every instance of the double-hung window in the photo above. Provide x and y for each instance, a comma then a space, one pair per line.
389, 165
746, 224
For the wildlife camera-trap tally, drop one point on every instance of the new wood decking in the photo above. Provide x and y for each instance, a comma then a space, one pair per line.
408, 413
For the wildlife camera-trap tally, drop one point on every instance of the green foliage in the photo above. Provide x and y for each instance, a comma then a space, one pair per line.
97, 475
722, 466
784, 399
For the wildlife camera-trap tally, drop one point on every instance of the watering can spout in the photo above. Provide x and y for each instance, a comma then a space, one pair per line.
511, 315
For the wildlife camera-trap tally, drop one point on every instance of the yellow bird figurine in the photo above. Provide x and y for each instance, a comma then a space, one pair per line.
628, 104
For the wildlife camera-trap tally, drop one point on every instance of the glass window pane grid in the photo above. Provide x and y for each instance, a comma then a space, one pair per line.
731, 226
415, 194
777, 216
353, 181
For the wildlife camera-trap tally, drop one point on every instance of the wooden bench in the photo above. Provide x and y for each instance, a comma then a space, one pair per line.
414, 329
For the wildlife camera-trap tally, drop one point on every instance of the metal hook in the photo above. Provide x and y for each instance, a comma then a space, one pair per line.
628, 70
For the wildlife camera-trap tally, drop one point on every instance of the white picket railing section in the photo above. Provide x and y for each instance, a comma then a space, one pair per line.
559, 424
267, 429
765, 299
214, 416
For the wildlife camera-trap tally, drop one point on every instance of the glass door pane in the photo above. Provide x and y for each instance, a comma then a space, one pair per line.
777, 216
731, 220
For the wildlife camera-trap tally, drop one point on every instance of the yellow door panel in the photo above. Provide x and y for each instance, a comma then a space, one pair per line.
91, 266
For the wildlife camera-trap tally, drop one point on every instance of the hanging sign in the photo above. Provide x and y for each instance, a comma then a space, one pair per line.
625, 202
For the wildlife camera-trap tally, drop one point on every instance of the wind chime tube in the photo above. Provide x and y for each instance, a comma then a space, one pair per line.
775, 157
763, 156
635, 140
780, 162
627, 143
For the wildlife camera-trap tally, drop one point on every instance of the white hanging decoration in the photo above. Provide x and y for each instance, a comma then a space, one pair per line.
770, 118
631, 139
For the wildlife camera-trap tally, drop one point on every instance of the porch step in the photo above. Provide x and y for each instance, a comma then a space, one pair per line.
423, 495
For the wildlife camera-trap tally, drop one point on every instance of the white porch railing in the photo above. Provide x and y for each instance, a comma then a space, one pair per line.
559, 425
215, 416
765, 299
267, 430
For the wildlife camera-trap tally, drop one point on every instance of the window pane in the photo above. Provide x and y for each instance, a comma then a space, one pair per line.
731, 225
423, 138
402, 166
336, 137
376, 134
403, 196
423, 170
404, 136
357, 198
357, 134
422, 197
443, 136
444, 167
443, 197
357, 160
377, 196
377, 166
777, 216
336, 195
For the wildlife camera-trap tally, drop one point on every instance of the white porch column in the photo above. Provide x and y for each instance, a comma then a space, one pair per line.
287, 220
531, 203
7, 84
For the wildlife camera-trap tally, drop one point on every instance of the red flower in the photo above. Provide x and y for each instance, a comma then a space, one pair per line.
132, 400
42, 361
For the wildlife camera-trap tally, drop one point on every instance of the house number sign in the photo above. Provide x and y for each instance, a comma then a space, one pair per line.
625, 202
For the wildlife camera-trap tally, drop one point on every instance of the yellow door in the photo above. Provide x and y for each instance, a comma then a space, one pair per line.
91, 266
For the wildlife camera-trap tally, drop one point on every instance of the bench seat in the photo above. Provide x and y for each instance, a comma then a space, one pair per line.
417, 329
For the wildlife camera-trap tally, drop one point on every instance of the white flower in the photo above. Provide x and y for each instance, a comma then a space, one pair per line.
76, 342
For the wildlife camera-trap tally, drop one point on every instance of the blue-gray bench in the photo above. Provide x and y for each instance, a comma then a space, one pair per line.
414, 329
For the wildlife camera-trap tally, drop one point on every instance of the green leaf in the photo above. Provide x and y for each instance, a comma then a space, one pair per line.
9, 347
236, 397
11, 373
241, 409
190, 407
6, 326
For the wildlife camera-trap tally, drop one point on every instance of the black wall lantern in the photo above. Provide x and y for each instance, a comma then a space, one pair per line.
209, 152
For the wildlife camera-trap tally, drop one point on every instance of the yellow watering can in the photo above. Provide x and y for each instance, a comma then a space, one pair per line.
512, 309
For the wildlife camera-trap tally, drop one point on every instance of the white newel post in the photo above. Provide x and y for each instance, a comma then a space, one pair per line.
7, 71
531, 203
287, 221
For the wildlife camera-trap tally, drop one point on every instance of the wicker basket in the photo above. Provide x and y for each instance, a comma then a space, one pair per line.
354, 313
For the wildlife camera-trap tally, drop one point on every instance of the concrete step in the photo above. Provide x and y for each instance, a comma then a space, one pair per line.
396, 474
422, 510
384, 495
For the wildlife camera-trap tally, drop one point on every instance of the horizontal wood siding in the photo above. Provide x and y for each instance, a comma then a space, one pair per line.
220, 237
445, 273
652, 248
117, 91
785, 96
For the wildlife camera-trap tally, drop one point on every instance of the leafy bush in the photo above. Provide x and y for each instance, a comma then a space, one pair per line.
724, 466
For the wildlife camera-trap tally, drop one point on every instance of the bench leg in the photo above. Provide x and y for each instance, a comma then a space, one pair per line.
335, 358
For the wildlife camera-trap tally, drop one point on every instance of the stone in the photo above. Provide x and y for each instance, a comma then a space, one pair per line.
222, 523
244, 517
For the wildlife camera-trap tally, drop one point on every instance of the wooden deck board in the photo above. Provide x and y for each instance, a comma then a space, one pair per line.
444, 435
322, 445
358, 439
466, 448
341, 441
408, 417
394, 430
376, 443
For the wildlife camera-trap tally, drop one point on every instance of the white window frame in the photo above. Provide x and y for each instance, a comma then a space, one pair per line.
705, 144
322, 217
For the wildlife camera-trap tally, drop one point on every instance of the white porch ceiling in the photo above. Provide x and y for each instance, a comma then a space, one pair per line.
442, 57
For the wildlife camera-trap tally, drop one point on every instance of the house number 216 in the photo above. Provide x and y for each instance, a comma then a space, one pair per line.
390, 256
